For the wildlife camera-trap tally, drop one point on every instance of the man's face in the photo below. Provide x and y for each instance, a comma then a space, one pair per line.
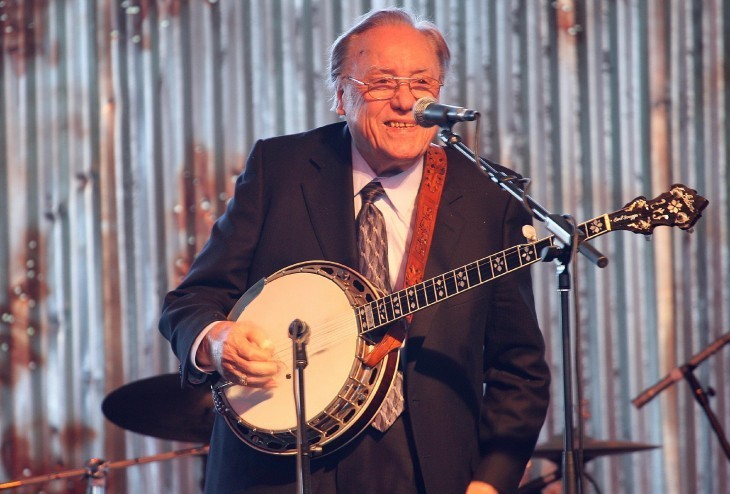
384, 131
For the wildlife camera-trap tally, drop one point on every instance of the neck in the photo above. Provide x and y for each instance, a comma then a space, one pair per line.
391, 168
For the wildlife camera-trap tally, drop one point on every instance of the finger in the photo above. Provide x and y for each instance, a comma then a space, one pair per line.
240, 356
260, 338
252, 344
242, 379
234, 362
259, 369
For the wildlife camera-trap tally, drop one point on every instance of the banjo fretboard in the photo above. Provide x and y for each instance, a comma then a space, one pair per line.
411, 299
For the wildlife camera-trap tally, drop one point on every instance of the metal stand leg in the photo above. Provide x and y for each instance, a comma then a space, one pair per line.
96, 471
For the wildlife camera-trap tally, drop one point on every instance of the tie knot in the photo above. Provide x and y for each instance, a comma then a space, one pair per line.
371, 191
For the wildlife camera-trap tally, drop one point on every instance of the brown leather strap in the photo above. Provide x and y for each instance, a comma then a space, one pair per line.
427, 204
429, 196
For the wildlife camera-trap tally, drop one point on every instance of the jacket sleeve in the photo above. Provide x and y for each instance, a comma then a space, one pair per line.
219, 274
516, 375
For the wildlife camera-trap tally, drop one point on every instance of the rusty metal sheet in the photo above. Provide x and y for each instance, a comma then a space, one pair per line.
123, 125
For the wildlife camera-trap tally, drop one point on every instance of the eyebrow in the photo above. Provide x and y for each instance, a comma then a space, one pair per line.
374, 69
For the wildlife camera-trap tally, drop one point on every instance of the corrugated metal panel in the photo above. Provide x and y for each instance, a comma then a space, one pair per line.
123, 125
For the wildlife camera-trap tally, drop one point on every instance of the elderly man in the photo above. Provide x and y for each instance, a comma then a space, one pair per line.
470, 395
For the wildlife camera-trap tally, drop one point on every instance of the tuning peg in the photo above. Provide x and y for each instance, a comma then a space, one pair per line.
530, 234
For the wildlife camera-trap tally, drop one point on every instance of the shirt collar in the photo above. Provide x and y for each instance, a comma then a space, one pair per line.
401, 189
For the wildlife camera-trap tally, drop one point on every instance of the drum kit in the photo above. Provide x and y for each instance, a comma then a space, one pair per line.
160, 408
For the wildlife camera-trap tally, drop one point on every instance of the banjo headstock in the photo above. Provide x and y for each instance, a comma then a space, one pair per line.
680, 207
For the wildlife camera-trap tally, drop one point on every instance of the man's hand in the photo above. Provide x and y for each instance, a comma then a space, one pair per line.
479, 487
240, 352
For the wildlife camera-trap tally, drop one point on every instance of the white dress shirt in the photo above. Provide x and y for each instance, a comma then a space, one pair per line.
398, 208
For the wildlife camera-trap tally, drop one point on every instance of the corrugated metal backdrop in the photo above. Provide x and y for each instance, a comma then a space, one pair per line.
124, 123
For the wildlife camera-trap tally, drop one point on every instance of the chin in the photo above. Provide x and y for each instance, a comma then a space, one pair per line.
407, 155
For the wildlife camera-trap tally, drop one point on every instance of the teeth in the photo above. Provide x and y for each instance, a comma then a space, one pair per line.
399, 124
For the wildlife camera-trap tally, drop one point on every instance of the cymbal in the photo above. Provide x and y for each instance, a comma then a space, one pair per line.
552, 449
159, 407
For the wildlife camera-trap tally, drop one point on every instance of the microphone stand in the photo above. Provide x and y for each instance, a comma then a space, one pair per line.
537, 485
96, 470
702, 397
299, 333
556, 224
700, 394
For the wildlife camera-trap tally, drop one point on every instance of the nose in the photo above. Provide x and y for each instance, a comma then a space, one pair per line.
403, 97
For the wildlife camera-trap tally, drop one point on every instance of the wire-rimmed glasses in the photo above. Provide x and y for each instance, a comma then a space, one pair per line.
385, 87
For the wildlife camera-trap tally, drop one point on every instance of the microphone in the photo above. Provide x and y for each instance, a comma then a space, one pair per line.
428, 113
679, 372
299, 331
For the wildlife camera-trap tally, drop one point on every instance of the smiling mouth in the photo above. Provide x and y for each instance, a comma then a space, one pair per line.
400, 125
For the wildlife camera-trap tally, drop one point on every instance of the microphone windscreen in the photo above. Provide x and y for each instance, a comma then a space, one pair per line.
419, 107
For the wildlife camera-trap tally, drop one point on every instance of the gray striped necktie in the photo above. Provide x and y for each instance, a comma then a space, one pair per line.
372, 239
372, 242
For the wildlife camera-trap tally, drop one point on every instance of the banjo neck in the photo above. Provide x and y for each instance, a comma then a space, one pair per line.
402, 303
680, 206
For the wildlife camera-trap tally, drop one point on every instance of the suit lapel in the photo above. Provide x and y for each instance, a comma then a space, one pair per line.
328, 196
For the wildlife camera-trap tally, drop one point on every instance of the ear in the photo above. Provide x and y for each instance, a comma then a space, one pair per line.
340, 104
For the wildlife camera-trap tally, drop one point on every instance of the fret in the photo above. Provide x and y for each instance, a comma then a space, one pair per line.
360, 316
485, 270
396, 304
429, 292
411, 295
512, 259
386, 309
439, 288
527, 254
473, 276
421, 294
539, 246
461, 279
584, 229
382, 304
377, 320
498, 264
450, 281
367, 317
392, 307
404, 300
375, 314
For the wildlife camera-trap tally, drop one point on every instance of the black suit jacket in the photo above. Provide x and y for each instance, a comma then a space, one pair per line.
476, 379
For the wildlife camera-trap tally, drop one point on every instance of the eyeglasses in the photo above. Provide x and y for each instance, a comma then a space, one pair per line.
383, 88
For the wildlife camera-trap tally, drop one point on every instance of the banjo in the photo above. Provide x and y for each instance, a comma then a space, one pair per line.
342, 309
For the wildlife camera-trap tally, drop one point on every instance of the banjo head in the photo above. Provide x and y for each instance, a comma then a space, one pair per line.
341, 393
